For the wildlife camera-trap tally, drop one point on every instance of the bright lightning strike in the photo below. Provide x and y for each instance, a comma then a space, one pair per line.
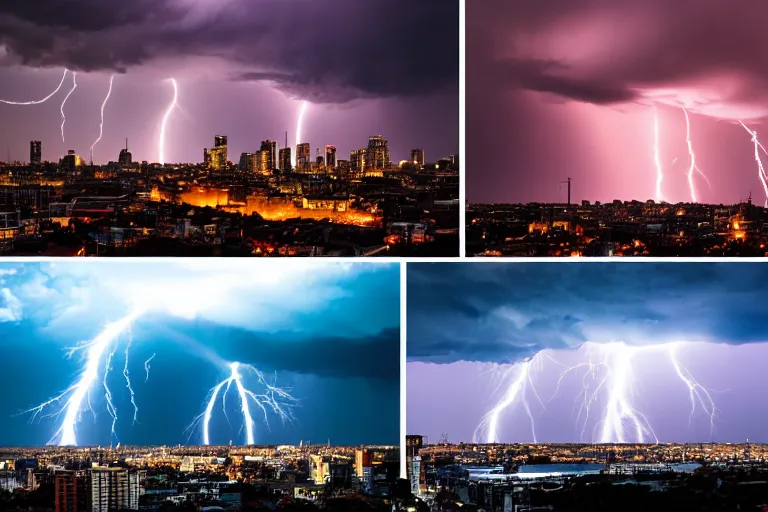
274, 399
76, 398
607, 381
299, 122
760, 169
657, 155
63, 117
161, 143
103, 105
38, 102
146, 366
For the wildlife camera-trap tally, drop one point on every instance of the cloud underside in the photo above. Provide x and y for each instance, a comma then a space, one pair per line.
705, 55
325, 51
508, 312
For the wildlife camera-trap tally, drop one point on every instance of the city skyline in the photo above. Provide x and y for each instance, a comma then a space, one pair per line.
593, 353
76, 322
239, 82
570, 90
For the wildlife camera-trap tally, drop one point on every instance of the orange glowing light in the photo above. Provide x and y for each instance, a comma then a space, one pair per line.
736, 225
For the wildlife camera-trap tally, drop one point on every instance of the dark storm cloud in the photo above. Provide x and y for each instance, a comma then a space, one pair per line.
506, 312
325, 51
373, 356
611, 47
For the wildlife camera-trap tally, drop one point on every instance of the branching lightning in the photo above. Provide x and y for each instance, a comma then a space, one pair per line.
299, 122
657, 155
693, 167
760, 169
38, 102
272, 399
607, 382
63, 117
161, 142
103, 105
75, 399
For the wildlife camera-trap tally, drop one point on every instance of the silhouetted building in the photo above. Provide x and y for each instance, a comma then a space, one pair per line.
284, 157
417, 157
247, 161
126, 158
35, 152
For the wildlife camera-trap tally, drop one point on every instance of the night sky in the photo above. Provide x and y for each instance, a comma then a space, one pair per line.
470, 323
567, 88
329, 333
385, 67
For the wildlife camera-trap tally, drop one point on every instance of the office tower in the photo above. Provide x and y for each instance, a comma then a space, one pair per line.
330, 157
343, 168
302, 156
207, 157
247, 161
378, 153
35, 152
71, 161
220, 141
417, 157
113, 489
268, 155
71, 488
126, 158
284, 158
357, 161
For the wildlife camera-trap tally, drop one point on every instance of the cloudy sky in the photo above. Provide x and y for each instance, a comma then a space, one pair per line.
473, 327
242, 67
568, 88
290, 321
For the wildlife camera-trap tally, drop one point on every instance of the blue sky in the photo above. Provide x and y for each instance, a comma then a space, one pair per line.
329, 332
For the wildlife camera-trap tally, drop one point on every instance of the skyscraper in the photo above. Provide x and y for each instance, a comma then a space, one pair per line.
417, 157
71, 490
357, 161
247, 161
35, 152
330, 157
269, 155
284, 158
303, 157
125, 158
113, 489
378, 153
219, 152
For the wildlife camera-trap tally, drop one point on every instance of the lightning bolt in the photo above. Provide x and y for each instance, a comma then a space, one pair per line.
657, 155
272, 399
76, 398
517, 390
693, 167
607, 377
38, 102
103, 105
146, 366
760, 169
299, 122
63, 117
161, 143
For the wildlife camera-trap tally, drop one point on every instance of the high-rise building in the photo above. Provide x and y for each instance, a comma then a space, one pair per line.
417, 157
330, 157
303, 158
284, 158
269, 155
71, 161
247, 161
378, 153
218, 153
357, 161
207, 157
35, 152
113, 489
71, 488
126, 158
